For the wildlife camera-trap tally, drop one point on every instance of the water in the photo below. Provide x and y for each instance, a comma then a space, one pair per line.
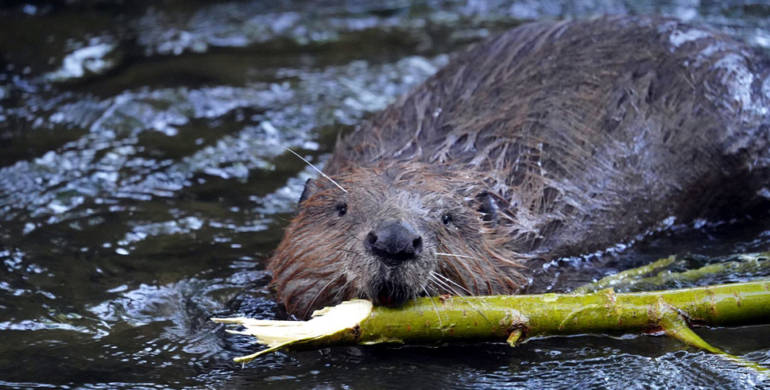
144, 182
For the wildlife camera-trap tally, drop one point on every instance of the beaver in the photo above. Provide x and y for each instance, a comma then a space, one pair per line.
553, 139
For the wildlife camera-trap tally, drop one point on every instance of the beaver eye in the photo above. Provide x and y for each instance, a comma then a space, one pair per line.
446, 218
488, 206
342, 208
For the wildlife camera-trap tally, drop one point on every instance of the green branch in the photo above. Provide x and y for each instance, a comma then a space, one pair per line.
518, 317
642, 279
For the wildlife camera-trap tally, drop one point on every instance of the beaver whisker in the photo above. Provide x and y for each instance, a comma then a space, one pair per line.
468, 270
451, 264
434, 277
449, 254
446, 279
320, 291
442, 285
317, 170
341, 292
492, 256
435, 308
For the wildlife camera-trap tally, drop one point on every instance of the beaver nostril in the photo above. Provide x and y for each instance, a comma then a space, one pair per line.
417, 245
371, 238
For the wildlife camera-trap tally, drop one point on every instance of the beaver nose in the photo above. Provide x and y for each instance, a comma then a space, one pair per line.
394, 242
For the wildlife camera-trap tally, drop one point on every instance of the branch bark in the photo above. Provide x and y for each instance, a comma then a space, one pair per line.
519, 317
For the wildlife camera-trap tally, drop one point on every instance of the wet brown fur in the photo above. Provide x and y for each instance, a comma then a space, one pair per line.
586, 134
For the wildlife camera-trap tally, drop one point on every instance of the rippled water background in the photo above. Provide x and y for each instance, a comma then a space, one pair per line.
144, 182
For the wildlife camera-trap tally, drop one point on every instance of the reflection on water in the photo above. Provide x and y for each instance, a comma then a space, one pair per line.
143, 182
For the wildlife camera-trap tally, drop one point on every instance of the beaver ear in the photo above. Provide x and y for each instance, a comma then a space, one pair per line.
487, 206
310, 189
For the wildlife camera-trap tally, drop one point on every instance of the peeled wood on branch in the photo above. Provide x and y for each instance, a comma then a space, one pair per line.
516, 317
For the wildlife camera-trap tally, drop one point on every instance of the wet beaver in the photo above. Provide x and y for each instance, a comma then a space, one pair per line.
553, 139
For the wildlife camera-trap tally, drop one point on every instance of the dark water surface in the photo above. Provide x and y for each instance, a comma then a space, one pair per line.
144, 182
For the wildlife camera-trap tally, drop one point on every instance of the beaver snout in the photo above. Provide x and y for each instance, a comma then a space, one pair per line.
394, 242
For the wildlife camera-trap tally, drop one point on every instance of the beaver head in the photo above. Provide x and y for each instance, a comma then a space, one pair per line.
394, 233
